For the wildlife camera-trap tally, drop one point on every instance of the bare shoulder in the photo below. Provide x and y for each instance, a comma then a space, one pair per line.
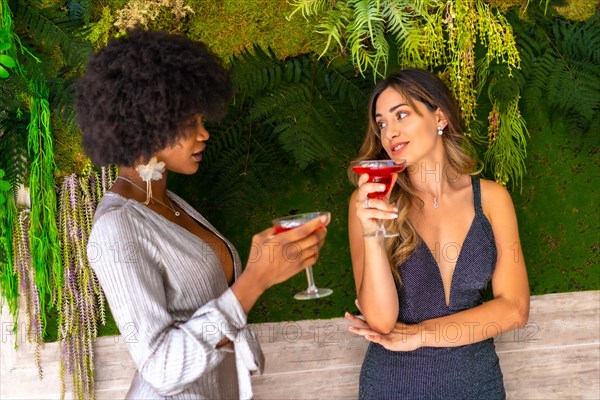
495, 199
494, 190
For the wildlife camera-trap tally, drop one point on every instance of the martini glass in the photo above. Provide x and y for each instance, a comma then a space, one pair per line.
293, 221
379, 171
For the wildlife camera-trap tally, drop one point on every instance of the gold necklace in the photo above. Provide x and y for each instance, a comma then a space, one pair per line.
177, 213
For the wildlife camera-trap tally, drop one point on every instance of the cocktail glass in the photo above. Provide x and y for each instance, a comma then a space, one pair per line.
379, 171
293, 221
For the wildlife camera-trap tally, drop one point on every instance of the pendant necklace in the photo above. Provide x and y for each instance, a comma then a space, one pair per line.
177, 213
435, 201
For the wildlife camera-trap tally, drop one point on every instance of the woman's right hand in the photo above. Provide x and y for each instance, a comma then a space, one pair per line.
274, 258
377, 209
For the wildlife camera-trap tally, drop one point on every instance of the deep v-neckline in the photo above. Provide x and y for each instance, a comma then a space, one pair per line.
448, 302
208, 227
456, 264
200, 221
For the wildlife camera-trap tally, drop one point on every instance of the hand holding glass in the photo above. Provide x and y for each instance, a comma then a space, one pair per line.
379, 171
293, 221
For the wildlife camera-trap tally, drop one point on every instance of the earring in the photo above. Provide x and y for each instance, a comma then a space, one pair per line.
150, 172
440, 131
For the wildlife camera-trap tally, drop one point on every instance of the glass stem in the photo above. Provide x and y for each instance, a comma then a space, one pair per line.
311, 280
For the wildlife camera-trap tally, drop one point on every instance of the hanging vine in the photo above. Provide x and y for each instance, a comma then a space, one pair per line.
82, 305
507, 136
38, 249
27, 285
9, 291
43, 233
432, 34
9, 284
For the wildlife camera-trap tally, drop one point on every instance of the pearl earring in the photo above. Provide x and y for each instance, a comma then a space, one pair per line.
440, 131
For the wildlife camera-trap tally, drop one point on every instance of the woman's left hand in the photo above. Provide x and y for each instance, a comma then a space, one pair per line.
402, 338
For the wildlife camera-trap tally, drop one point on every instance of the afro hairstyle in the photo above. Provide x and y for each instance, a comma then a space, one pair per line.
138, 91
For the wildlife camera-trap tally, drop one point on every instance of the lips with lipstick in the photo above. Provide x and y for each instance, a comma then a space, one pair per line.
398, 147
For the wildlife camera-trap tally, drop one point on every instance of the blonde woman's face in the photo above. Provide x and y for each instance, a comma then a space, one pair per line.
406, 135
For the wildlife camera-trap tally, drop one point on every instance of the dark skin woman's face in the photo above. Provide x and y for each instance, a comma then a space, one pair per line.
184, 156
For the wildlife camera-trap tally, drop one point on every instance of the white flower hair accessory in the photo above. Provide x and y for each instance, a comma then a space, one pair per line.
150, 172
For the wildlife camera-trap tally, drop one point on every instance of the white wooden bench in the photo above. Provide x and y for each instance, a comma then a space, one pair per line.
556, 356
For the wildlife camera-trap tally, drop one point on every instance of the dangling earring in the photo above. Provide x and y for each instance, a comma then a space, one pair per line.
440, 131
150, 172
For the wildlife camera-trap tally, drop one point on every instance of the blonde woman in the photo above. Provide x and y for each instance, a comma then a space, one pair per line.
420, 293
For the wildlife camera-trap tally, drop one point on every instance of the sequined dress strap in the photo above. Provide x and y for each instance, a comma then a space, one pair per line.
477, 194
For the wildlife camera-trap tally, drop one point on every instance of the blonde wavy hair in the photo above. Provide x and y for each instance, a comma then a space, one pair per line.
427, 88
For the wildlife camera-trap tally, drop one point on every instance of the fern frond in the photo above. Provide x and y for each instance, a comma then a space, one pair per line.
563, 71
80, 10
308, 7
62, 98
343, 84
417, 28
506, 154
238, 170
287, 113
13, 148
333, 25
368, 46
53, 29
256, 71
11, 92
306, 108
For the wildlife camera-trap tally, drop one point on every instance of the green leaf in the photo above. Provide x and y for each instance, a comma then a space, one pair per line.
4, 186
7, 61
5, 46
3, 72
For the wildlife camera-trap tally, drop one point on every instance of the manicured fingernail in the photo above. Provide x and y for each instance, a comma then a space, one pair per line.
394, 215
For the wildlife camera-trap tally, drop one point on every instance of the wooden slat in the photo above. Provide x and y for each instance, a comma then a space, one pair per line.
557, 320
310, 345
556, 356
553, 373
339, 383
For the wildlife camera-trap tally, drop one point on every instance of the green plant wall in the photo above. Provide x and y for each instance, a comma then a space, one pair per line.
294, 124
559, 211
561, 252
231, 26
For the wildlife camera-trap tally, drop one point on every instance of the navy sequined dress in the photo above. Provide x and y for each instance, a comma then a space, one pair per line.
462, 372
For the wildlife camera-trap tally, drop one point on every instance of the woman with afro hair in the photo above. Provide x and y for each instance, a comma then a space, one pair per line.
174, 284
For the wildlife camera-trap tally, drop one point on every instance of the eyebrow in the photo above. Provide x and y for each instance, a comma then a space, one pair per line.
393, 108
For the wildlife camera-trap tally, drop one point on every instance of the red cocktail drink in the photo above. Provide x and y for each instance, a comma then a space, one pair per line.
379, 175
279, 229
294, 221
379, 171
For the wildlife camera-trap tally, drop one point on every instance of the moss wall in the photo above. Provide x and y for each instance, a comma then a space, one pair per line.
557, 206
230, 26
559, 211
